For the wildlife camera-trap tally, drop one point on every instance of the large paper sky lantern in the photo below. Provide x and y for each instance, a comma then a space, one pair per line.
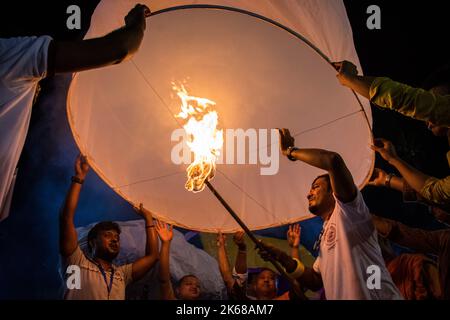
263, 65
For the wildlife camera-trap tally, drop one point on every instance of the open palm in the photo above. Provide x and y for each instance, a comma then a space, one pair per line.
293, 235
165, 231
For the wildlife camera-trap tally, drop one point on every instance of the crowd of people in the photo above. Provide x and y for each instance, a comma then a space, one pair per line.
352, 242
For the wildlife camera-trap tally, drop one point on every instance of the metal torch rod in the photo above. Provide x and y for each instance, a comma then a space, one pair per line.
244, 227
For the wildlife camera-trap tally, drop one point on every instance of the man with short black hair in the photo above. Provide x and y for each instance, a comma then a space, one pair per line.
100, 278
348, 244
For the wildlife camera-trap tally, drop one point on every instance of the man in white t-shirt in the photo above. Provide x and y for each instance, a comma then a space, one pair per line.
350, 265
24, 61
98, 277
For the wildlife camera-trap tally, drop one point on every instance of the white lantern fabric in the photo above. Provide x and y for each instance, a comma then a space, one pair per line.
265, 67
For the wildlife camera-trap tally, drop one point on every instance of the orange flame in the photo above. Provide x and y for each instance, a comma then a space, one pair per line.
204, 139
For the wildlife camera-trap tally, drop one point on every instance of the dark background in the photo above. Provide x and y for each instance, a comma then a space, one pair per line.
411, 44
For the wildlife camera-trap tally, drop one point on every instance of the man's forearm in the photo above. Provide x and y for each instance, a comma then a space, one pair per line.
164, 267
294, 253
241, 262
359, 84
341, 179
420, 240
309, 278
397, 183
412, 176
68, 238
288, 263
224, 266
95, 53
167, 292
318, 158
71, 201
151, 246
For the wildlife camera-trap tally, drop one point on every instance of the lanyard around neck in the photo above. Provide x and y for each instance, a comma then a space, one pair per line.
103, 272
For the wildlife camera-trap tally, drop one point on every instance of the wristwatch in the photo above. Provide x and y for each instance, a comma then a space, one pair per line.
77, 180
387, 182
289, 153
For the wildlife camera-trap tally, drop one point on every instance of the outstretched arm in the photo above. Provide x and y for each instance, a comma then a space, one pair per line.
68, 239
341, 179
432, 190
241, 257
113, 48
224, 265
421, 240
412, 176
348, 76
412, 102
306, 277
144, 264
165, 233
381, 179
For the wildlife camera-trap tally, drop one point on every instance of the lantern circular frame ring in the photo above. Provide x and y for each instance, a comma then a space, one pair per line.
262, 18
277, 24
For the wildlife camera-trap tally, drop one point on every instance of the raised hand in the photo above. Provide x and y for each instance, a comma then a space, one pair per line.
238, 239
146, 214
378, 178
346, 70
385, 148
81, 166
286, 141
136, 16
165, 231
221, 238
293, 235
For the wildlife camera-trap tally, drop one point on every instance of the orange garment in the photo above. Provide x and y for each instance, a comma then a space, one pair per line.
410, 274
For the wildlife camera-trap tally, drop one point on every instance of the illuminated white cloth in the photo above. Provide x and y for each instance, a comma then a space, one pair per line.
23, 63
260, 76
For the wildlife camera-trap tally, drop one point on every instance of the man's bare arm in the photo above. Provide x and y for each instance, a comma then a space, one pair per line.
341, 179
144, 264
412, 176
68, 238
165, 233
111, 49
224, 264
348, 76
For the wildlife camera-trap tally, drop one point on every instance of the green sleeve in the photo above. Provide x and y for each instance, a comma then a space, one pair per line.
411, 102
437, 191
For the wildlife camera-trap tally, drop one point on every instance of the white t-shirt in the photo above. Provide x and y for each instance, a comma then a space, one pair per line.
23, 63
348, 250
92, 282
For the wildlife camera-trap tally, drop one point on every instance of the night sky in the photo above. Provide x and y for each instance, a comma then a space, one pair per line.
411, 44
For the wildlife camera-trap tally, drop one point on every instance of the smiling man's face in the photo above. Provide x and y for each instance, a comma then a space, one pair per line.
320, 197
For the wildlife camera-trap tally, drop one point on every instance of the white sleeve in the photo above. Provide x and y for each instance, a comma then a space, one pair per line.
24, 57
76, 258
355, 210
127, 272
240, 278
